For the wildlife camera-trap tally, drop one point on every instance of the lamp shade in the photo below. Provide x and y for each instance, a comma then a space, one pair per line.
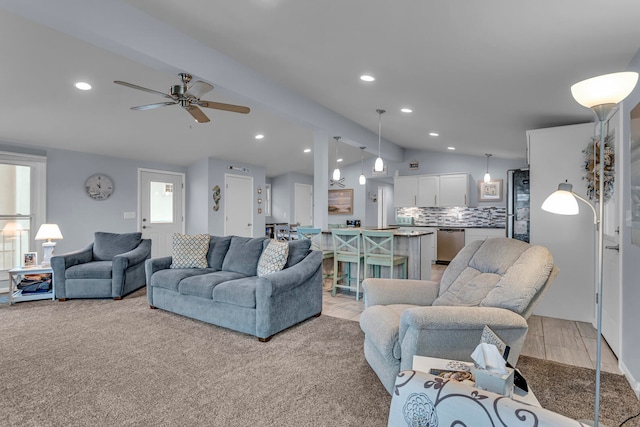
378, 166
12, 228
48, 232
336, 174
363, 179
562, 201
605, 89
487, 177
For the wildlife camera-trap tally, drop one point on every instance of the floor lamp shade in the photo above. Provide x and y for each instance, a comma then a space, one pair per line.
562, 201
606, 89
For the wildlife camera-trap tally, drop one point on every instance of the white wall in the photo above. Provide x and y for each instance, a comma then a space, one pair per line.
77, 215
556, 156
282, 195
197, 202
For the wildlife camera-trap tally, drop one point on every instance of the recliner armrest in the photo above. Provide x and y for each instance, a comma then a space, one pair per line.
399, 291
133, 257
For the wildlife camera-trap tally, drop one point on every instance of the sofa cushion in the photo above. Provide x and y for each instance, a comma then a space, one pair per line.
108, 245
218, 247
243, 255
241, 292
298, 249
273, 257
202, 285
190, 251
90, 270
171, 278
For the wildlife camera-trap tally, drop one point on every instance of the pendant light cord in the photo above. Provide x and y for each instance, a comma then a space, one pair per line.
379, 130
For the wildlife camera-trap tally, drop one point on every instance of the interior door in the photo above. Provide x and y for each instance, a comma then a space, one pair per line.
611, 286
161, 199
238, 205
303, 208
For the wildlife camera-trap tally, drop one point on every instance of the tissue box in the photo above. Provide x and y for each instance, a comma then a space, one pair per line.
503, 385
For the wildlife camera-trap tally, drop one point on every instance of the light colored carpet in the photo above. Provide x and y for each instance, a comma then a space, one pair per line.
119, 363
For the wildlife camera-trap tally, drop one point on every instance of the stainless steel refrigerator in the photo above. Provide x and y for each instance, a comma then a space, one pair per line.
518, 204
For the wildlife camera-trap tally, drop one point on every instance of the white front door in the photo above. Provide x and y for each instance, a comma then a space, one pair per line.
161, 208
303, 212
238, 205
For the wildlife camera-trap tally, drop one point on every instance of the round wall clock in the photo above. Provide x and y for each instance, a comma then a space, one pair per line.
99, 186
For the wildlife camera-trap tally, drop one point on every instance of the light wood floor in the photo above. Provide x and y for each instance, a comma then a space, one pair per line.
564, 341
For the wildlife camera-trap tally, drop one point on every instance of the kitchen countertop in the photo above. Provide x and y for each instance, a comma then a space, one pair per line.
394, 228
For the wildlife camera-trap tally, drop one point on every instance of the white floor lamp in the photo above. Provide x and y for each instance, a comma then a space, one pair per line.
601, 94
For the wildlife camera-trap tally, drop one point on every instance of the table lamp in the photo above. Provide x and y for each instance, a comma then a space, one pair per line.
48, 232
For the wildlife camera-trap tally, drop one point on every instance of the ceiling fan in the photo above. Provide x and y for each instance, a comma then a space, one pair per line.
188, 97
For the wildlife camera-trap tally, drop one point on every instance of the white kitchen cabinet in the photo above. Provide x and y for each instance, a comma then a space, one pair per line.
428, 190
431, 190
405, 191
472, 234
454, 190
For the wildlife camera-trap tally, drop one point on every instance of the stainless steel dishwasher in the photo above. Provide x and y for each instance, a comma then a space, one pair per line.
450, 241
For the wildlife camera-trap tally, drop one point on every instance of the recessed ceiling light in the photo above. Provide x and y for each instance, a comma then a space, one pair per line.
307, 150
406, 110
434, 134
367, 78
451, 148
83, 85
259, 136
338, 160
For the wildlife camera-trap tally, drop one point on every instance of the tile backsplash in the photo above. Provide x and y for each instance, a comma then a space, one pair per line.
455, 217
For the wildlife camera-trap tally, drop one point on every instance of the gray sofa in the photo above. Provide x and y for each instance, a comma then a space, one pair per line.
110, 267
229, 293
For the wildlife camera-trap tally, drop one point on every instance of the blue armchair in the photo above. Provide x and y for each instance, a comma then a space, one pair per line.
110, 267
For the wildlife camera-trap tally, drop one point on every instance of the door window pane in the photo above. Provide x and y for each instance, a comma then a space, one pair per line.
161, 202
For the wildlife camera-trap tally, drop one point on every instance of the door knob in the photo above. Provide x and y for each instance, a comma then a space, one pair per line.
615, 248
144, 226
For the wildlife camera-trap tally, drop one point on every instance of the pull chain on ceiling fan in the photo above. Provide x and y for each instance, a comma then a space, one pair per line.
188, 97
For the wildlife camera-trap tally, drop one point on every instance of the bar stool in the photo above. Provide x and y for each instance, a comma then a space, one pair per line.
346, 249
378, 252
315, 235
282, 232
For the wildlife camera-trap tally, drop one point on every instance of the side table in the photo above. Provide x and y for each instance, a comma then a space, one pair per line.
424, 364
16, 275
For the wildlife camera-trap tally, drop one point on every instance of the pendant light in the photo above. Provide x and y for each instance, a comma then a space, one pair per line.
487, 176
336, 171
363, 179
379, 166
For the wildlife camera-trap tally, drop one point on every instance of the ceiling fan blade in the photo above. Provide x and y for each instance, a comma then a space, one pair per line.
151, 106
144, 89
198, 89
225, 107
197, 114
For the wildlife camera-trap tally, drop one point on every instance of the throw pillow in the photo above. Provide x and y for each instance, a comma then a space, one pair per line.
243, 255
273, 258
190, 251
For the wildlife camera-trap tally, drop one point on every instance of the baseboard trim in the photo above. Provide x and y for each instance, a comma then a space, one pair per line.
635, 384
4, 290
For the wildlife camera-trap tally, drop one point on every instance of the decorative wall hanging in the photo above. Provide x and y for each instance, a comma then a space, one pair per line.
341, 201
216, 198
490, 191
414, 165
591, 161
337, 183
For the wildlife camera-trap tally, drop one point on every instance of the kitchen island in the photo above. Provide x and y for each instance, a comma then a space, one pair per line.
416, 245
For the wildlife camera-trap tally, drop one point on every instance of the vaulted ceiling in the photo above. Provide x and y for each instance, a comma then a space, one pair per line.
477, 73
